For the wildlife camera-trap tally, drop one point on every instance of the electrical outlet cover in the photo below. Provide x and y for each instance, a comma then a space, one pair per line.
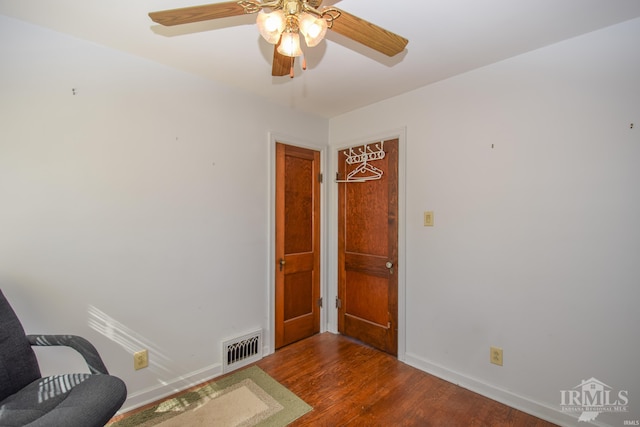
495, 356
140, 359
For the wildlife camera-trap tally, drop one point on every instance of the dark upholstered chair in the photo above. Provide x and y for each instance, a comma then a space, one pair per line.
71, 400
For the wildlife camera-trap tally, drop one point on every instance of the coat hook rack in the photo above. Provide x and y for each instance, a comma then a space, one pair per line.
364, 171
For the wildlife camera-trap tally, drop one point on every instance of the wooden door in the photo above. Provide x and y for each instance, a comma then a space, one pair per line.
297, 300
368, 253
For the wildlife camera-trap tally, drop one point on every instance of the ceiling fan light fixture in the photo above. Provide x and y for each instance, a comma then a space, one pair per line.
280, 22
271, 25
290, 44
312, 28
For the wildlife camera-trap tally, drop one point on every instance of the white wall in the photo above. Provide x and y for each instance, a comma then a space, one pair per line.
141, 203
536, 243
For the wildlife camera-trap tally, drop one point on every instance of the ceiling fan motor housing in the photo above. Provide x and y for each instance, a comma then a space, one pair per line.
292, 7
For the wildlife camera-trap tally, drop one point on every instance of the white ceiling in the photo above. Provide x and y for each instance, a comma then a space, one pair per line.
446, 37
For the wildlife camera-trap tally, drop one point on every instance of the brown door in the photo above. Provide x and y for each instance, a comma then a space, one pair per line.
368, 252
297, 244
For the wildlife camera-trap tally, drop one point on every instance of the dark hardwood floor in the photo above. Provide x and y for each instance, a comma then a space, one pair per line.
349, 384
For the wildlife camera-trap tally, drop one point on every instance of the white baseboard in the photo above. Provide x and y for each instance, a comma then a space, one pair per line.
161, 391
521, 403
540, 410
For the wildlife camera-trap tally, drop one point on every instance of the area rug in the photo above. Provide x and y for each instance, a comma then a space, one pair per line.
248, 397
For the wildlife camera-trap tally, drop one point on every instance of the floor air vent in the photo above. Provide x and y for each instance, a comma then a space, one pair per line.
241, 351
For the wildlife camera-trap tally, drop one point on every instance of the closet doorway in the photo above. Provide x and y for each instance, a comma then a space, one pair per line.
368, 244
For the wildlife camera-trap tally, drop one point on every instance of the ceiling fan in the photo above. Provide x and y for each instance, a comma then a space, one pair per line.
284, 23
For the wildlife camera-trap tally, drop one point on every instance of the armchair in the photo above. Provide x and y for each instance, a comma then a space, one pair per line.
70, 400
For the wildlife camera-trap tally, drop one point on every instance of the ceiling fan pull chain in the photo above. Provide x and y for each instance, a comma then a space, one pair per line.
304, 63
291, 69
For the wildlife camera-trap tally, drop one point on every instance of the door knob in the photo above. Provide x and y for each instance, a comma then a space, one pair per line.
389, 265
282, 263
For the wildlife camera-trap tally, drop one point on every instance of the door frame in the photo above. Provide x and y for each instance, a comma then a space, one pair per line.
332, 230
273, 138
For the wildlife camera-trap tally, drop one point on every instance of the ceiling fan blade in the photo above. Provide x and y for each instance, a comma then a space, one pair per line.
281, 63
368, 34
187, 15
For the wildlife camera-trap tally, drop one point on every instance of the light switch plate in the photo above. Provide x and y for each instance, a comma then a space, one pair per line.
428, 219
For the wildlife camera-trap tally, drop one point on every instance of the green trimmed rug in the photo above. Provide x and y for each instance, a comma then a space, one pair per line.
248, 397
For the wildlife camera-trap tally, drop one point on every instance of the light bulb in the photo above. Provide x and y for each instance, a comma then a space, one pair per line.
290, 45
313, 29
271, 25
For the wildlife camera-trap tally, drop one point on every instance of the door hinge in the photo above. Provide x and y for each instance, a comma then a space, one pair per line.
320, 302
338, 303
320, 177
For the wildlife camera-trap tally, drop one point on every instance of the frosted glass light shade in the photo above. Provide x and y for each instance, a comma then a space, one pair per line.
313, 29
271, 25
290, 45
